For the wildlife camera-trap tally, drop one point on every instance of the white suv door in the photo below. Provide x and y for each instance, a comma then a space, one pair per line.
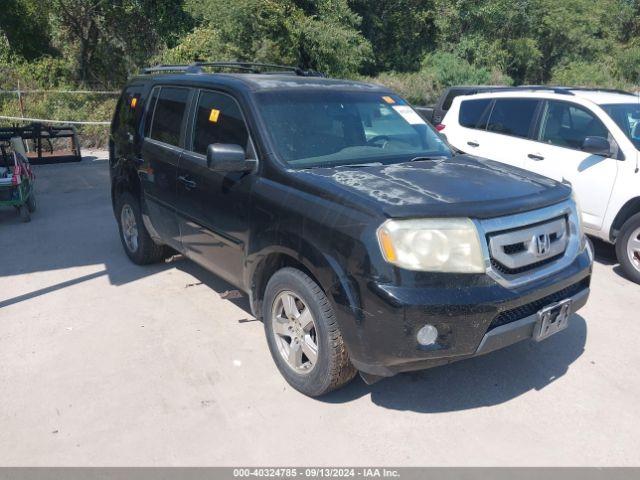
498, 129
558, 154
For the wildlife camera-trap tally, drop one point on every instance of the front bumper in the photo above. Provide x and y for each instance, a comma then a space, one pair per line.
474, 315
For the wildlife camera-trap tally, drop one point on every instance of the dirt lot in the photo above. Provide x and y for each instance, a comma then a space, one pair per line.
106, 363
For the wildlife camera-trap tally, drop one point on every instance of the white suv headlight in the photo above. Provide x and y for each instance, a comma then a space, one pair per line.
432, 245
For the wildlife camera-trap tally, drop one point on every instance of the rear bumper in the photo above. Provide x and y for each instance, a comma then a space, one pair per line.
473, 316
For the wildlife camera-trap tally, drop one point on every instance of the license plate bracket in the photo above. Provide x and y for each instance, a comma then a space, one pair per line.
552, 319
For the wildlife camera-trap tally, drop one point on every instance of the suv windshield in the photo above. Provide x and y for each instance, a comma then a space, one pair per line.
627, 116
325, 128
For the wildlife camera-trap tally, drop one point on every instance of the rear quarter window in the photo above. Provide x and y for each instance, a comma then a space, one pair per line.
474, 113
127, 111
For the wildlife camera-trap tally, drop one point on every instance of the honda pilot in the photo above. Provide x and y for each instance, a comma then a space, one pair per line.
363, 243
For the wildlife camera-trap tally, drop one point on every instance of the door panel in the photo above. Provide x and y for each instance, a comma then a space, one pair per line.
509, 128
158, 177
213, 207
557, 154
213, 212
165, 121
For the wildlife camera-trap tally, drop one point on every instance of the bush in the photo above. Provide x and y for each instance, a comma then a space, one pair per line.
419, 88
628, 64
584, 74
449, 69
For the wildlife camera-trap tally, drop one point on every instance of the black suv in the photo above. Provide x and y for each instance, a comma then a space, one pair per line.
362, 242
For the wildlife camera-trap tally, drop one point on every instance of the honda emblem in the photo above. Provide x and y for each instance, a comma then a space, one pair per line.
541, 244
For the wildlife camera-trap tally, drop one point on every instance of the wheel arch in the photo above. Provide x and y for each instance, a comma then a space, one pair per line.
321, 268
629, 209
126, 180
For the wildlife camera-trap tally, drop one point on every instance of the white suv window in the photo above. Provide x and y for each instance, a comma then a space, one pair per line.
567, 125
512, 116
474, 113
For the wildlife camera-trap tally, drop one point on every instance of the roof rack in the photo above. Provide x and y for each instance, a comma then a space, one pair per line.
249, 67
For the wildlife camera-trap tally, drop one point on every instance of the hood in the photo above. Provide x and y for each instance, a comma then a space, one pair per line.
462, 186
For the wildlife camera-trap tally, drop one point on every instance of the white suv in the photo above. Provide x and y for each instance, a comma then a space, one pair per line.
588, 138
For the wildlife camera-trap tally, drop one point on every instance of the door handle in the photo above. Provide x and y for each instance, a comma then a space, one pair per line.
535, 157
473, 144
189, 184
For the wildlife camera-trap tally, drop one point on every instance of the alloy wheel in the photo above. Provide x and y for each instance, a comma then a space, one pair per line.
294, 329
633, 248
129, 228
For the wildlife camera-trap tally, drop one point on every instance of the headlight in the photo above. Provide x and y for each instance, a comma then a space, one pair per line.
581, 234
433, 245
578, 210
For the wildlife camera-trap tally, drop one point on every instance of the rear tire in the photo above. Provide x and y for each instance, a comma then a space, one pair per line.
31, 201
628, 248
309, 329
25, 216
137, 243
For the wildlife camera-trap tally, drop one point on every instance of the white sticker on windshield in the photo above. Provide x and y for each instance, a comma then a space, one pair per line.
409, 115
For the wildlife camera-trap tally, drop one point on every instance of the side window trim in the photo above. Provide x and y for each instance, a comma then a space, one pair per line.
190, 136
150, 108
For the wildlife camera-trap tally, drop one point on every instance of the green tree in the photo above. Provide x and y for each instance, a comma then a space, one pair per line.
322, 35
400, 31
110, 39
25, 27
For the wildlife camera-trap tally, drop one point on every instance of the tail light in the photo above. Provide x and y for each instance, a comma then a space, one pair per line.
440, 127
16, 178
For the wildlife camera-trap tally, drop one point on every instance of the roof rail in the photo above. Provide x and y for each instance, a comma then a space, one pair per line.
535, 88
596, 89
249, 67
560, 89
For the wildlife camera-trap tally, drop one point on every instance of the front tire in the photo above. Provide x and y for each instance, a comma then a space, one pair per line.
628, 248
137, 243
303, 334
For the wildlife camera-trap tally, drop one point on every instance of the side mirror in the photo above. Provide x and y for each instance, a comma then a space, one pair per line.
227, 157
597, 146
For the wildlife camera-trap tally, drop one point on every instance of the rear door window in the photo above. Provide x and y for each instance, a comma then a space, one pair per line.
218, 120
169, 114
474, 113
512, 116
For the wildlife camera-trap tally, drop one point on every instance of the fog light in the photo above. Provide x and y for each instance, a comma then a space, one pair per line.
427, 335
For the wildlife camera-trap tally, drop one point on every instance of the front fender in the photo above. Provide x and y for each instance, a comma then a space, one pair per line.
334, 280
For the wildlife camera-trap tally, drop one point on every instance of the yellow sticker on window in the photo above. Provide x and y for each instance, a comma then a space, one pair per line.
213, 116
388, 99
134, 102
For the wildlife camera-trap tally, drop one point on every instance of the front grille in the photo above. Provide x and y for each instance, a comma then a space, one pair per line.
534, 307
515, 271
515, 251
